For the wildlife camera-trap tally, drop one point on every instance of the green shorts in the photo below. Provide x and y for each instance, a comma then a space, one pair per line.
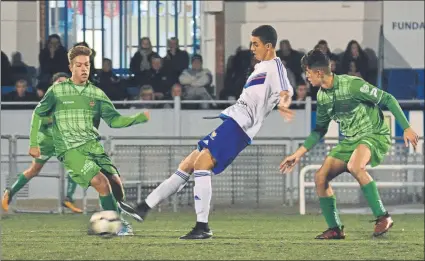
377, 144
86, 161
47, 149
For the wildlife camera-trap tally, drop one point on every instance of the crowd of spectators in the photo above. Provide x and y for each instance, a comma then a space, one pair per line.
153, 77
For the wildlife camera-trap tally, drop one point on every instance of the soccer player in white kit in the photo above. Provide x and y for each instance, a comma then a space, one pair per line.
265, 88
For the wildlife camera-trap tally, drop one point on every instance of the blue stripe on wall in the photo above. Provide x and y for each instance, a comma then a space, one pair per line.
398, 130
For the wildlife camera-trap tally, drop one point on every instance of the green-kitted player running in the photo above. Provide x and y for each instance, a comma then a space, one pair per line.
354, 104
77, 107
47, 150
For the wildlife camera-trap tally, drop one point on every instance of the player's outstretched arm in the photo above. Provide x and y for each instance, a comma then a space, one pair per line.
43, 109
115, 120
365, 92
283, 106
322, 124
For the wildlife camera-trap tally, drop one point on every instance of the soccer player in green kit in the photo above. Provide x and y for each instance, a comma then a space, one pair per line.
47, 150
354, 104
77, 107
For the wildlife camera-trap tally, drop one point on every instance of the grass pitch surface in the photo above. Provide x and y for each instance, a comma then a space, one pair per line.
238, 235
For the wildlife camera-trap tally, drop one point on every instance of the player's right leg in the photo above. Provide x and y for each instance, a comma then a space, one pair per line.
23, 179
169, 186
330, 169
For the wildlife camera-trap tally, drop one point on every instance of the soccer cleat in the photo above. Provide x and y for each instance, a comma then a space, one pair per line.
198, 233
142, 210
332, 233
126, 229
382, 225
70, 204
129, 210
6, 199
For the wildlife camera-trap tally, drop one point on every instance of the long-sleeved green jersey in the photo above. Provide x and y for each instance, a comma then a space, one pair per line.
76, 112
354, 104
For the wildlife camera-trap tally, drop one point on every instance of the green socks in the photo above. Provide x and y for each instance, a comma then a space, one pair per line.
108, 202
329, 211
19, 183
70, 190
370, 191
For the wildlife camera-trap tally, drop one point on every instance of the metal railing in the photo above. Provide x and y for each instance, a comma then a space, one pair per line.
252, 180
381, 184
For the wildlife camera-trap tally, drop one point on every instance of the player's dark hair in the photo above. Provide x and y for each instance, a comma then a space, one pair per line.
58, 75
315, 59
267, 34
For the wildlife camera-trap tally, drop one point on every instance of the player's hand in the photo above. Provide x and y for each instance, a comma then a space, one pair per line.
34, 152
410, 135
286, 113
289, 163
147, 114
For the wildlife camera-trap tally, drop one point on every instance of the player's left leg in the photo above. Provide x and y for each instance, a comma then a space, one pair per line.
68, 202
361, 156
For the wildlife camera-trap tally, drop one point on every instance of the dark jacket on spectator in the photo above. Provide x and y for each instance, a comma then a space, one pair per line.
6, 71
159, 80
50, 66
111, 85
14, 97
176, 64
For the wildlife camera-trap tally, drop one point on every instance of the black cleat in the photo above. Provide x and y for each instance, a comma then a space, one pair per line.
142, 210
129, 210
200, 231
332, 233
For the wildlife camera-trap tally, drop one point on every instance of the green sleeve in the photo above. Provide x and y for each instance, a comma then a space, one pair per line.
365, 92
43, 109
322, 124
115, 120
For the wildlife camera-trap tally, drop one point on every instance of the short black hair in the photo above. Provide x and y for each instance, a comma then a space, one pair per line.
266, 33
315, 59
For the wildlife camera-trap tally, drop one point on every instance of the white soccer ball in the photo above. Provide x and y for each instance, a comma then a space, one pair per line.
105, 223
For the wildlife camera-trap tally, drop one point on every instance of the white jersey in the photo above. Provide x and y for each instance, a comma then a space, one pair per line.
260, 95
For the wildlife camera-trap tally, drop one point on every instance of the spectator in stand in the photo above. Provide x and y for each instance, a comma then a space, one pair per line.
20, 94
176, 60
323, 46
109, 82
290, 74
354, 53
146, 94
93, 54
333, 66
6, 71
291, 57
158, 78
196, 81
141, 60
176, 90
20, 70
353, 70
53, 58
300, 95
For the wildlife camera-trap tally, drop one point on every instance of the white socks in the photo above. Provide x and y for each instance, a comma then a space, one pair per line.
202, 194
167, 188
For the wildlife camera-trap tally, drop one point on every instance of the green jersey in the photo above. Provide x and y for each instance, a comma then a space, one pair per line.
76, 112
354, 104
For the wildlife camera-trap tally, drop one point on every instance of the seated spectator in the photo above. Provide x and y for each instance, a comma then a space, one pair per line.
196, 80
20, 94
323, 46
92, 56
354, 53
6, 71
290, 74
353, 70
333, 66
291, 57
176, 90
109, 82
141, 60
300, 95
53, 58
176, 60
42, 87
158, 78
19, 68
146, 94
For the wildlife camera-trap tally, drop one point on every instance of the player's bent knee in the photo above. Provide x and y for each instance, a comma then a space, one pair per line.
205, 161
101, 184
356, 168
186, 165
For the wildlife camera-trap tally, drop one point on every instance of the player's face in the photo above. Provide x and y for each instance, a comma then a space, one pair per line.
315, 77
80, 68
259, 49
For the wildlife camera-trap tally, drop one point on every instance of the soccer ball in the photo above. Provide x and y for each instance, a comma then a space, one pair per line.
105, 223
